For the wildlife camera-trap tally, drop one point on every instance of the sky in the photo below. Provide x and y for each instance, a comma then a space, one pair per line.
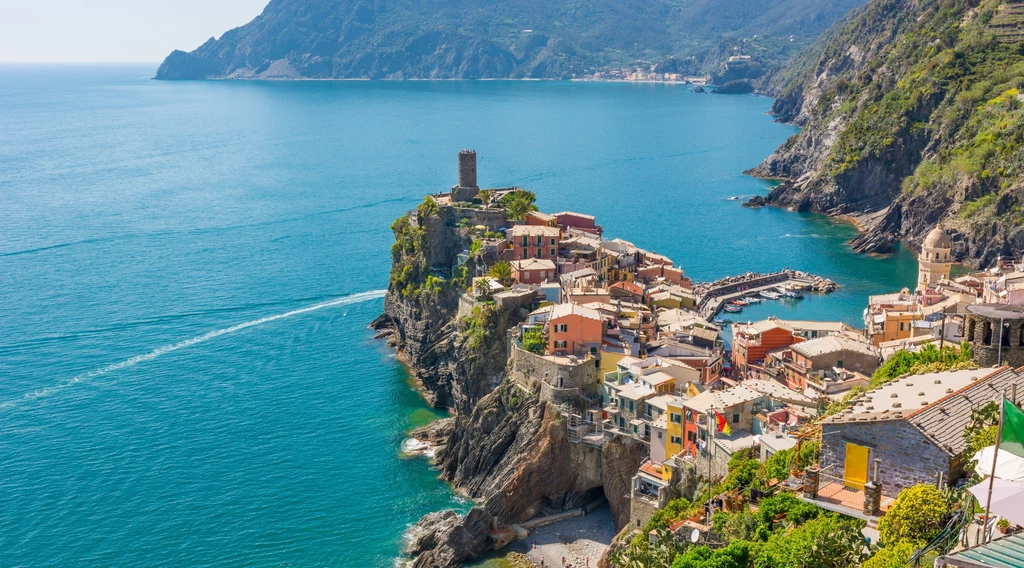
114, 30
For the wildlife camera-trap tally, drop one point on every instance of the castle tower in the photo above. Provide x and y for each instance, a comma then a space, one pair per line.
467, 188
935, 260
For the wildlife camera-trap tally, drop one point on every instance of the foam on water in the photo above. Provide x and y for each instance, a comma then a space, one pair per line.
132, 361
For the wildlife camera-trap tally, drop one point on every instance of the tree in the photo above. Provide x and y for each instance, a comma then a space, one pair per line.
518, 203
743, 475
503, 272
895, 556
981, 431
917, 514
533, 341
778, 465
485, 196
826, 542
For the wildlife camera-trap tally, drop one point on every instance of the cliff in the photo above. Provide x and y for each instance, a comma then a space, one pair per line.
513, 456
420, 310
911, 116
468, 39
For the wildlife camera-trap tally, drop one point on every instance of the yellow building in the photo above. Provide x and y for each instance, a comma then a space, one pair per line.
673, 434
935, 260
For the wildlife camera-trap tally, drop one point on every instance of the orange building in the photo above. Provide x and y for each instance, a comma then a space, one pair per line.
574, 330
533, 270
751, 343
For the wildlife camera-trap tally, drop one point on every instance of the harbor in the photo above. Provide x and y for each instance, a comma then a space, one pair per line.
733, 293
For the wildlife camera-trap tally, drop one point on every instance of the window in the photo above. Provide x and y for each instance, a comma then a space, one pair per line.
593, 350
561, 328
540, 241
675, 417
553, 252
552, 242
839, 363
735, 418
659, 435
561, 344
691, 436
677, 440
526, 240
632, 406
689, 416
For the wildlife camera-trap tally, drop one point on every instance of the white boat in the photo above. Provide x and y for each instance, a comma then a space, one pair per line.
770, 295
752, 300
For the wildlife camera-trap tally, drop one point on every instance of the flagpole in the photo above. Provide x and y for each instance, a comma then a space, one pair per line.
995, 459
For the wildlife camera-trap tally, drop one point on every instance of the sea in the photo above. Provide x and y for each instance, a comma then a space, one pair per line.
188, 270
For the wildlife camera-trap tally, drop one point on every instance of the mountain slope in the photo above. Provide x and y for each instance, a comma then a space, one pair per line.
911, 116
396, 39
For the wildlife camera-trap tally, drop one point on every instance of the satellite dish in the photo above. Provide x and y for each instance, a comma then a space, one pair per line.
695, 536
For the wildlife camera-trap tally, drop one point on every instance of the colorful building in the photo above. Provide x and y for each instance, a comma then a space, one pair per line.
533, 241
533, 270
574, 330
751, 343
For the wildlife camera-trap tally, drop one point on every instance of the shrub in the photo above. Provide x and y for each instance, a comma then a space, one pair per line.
917, 514
896, 556
533, 341
796, 511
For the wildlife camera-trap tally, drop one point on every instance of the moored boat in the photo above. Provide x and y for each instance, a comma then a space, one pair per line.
740, 302
733, 309
752, 300
768, 294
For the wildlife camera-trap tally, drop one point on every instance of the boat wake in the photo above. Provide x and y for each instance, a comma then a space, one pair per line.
132, 361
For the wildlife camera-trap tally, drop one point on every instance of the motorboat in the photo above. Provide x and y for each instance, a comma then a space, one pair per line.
752, 300
733, 309
768, 294
740, 302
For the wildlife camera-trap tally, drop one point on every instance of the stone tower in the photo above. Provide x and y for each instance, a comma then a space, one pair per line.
467, 188
935, 260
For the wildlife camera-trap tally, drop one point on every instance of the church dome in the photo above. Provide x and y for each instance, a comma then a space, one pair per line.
938, 239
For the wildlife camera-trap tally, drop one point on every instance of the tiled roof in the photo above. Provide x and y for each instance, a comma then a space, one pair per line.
562, 310
944, 420
776, 391
761, 326
534, 231
937, 404
533, 264
832, 344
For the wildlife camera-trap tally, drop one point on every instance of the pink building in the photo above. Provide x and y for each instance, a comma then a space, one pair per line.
574, 330
572, 220
533, 241
533, 270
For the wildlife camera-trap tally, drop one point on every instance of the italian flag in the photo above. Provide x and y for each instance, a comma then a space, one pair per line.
723, 425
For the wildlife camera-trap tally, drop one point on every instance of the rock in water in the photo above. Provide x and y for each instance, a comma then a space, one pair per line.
444, 538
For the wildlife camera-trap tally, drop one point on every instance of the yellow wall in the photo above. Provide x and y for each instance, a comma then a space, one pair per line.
608, 362
673, 429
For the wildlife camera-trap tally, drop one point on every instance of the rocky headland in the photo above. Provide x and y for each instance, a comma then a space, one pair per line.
911, 116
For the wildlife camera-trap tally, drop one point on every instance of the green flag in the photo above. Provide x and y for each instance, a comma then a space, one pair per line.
1012, 439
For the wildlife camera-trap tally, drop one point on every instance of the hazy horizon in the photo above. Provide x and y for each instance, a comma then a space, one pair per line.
114, 31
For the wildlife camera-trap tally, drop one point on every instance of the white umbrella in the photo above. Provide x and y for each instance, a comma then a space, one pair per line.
1007, 498
1009, 467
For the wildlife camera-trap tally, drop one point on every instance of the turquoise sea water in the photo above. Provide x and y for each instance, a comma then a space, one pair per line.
187, 271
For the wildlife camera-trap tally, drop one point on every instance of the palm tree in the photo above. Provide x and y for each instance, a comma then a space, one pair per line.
518, 203
485, 196
503, 272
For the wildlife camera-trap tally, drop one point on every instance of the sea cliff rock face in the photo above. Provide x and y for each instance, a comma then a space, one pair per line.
423, 323
911, 116
513, 456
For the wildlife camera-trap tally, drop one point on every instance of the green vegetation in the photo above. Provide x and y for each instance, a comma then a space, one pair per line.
785, 532
408, 265
929, 359
518, 203
917, 515
895, 556
470, 39
475, 327
502, 271
925, 100
533, 341
981, 431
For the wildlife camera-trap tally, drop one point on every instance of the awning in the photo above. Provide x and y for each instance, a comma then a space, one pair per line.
1009, 467
1007, 498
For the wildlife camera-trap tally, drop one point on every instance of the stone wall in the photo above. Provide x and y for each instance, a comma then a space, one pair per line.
907, 457
983, 333
641, 510
492, 218
528, 368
